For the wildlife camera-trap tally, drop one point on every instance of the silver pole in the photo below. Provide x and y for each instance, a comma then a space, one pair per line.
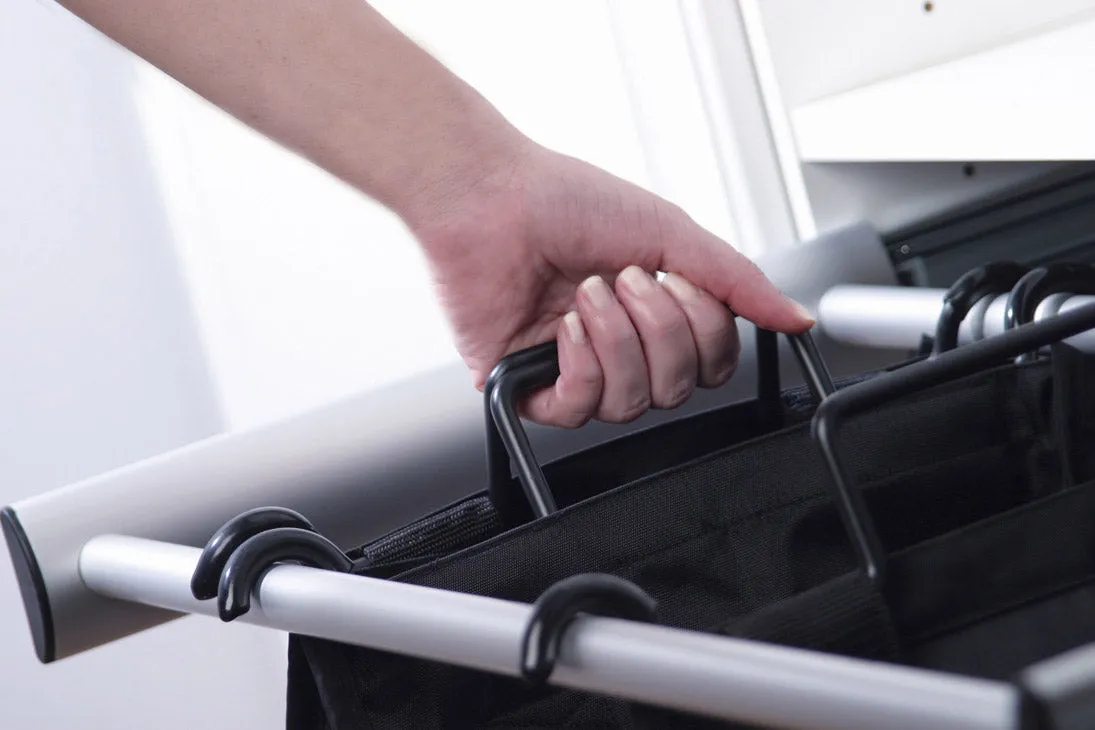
683, 670
896, 317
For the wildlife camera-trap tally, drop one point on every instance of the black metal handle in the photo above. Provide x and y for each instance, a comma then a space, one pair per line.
995, 278
947, 366
518, 373
538, 366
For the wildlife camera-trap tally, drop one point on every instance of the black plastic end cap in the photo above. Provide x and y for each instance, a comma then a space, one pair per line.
32, 586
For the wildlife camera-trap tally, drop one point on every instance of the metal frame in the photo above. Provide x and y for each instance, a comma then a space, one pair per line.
726, 678
116, 581
698, 673
357, 469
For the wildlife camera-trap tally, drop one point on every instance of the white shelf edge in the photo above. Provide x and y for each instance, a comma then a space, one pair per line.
1033, 99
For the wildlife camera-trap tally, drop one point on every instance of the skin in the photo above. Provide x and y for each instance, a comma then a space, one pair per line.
525, 244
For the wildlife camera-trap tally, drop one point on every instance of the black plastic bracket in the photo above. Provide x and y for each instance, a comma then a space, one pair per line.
226, 540
995, 278
595, 593
1037, 285
260, 552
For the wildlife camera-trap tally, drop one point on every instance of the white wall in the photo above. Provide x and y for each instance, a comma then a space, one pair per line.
100, 365
167, 274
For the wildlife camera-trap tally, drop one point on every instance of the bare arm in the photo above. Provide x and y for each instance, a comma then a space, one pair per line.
330, 79
526, 245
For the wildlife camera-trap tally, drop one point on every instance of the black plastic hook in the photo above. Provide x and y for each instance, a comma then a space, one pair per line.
226, 540
594, 593
1039, 284
260, 552
951, 365
537, 367
995, 278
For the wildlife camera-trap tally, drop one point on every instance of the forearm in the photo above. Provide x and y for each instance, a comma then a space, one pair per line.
329, 79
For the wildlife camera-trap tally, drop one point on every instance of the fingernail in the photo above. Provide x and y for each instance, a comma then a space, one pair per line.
801, 310
680, 287
575, 331
598, 292
637, 280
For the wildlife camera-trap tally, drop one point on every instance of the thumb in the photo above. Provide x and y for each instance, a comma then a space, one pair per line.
717, 267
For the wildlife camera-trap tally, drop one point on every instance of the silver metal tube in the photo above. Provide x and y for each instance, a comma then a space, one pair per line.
689, 671
357, 469
897, 317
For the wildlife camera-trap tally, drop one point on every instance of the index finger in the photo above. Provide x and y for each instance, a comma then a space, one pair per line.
717, 267
576, 394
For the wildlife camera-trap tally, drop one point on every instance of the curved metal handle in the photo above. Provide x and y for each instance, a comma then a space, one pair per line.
518, 373
537, 367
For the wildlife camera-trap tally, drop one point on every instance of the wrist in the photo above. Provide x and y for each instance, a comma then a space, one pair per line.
467, 191
478, 164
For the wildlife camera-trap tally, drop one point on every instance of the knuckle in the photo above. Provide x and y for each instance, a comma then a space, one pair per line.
670, 326
587, 379
714, 323
622, 340
572, 419
635, 407
675, 396
721, 375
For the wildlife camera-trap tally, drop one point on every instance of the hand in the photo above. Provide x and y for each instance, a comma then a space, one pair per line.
526, 244
551, 247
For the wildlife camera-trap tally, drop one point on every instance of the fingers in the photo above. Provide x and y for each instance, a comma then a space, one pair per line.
713, 265
575, 397
644, 345
665, 334
625, 393
714, 331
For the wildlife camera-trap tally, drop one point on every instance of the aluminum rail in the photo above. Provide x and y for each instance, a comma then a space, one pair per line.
720, 677
896, 317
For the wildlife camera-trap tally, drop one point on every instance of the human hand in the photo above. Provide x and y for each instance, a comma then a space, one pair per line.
551, 247
521, 239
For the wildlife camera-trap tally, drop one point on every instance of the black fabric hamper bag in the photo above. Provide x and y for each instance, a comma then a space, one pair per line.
980, 490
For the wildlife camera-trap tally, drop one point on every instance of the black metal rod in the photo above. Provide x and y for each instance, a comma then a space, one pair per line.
513, 435
812, 365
